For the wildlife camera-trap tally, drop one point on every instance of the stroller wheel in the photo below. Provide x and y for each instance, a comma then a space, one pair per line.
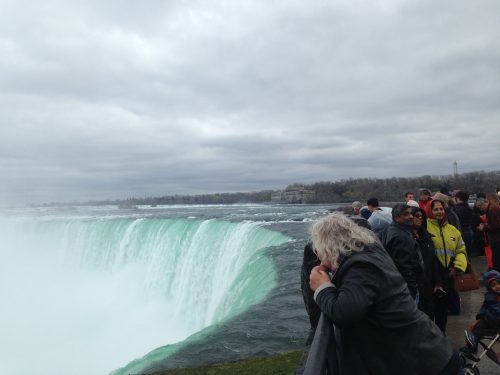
470, 370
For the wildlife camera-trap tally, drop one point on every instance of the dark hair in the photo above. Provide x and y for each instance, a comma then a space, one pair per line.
414, 210
462, 195
372, 202
434, 201
444, 190
408, 193
361, 221
398, 210
423, 228
425, 191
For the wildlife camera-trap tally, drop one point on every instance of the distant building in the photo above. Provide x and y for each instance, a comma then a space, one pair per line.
293, 194
278, 196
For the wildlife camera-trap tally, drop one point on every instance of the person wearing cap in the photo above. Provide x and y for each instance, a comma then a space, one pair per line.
412, 203
488, 318
450, 252
424, 199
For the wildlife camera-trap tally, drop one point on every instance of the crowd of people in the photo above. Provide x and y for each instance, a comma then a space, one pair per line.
384, 276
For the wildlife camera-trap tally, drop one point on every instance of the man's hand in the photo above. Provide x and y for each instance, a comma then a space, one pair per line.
319, 275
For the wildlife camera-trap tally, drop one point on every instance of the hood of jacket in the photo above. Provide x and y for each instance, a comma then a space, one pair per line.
490, 276
428, 212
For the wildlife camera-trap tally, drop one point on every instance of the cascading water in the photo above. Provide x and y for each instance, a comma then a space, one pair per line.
86, 296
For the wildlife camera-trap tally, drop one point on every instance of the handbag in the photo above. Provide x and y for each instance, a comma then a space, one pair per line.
466, 281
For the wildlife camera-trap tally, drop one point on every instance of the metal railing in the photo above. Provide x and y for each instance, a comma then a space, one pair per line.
322, 358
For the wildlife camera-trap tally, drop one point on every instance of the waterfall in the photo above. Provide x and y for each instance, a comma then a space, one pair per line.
86, 296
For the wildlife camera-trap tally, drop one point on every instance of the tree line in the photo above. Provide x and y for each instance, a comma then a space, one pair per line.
342, 191
393, 189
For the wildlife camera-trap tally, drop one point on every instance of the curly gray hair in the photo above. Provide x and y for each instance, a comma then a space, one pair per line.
336, 235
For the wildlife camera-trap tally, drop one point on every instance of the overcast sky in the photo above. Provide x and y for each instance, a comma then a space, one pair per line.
112, 99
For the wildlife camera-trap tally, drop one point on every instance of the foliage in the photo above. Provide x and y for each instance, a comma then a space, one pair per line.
281, 364
342, 191
393, 189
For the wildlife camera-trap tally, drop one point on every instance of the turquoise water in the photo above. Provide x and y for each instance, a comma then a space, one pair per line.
99, 289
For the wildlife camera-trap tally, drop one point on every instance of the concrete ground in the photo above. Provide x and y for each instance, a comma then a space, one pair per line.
470, 305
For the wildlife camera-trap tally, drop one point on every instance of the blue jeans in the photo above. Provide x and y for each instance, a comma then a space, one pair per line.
454, 367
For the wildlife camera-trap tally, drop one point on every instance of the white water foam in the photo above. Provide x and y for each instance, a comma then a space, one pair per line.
86, 297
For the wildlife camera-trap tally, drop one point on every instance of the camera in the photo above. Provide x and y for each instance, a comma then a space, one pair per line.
440, 293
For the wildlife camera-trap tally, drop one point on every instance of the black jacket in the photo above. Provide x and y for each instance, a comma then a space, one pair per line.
401, 245
381, 331
309, 261
464, 213
453, 218
432, 275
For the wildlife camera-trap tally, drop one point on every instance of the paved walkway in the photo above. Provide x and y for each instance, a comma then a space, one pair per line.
470, 305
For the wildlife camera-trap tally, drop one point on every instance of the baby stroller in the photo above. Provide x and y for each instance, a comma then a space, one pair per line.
487, 341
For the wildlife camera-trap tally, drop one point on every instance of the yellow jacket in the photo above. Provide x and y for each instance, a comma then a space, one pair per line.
448, 244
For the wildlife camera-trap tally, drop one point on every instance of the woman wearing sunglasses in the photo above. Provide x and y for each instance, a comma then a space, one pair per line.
432, 284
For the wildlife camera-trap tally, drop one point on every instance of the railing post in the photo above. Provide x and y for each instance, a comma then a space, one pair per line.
322, 357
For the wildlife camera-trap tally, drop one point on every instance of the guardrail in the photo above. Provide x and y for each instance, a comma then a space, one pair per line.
322, 358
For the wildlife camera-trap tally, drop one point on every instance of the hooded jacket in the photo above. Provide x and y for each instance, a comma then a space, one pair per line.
379, 221
490, 310
448, 242
380, 329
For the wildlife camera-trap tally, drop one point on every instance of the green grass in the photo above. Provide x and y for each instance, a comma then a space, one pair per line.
280, 364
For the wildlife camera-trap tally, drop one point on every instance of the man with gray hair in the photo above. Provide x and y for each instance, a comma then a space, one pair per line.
401, 245
356, 207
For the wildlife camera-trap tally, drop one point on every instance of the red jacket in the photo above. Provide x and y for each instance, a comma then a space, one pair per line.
423, 204
493, 219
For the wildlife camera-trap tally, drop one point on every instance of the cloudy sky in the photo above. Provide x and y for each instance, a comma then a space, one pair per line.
113, 99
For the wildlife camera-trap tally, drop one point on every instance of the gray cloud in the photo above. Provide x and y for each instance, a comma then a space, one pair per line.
118, 99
